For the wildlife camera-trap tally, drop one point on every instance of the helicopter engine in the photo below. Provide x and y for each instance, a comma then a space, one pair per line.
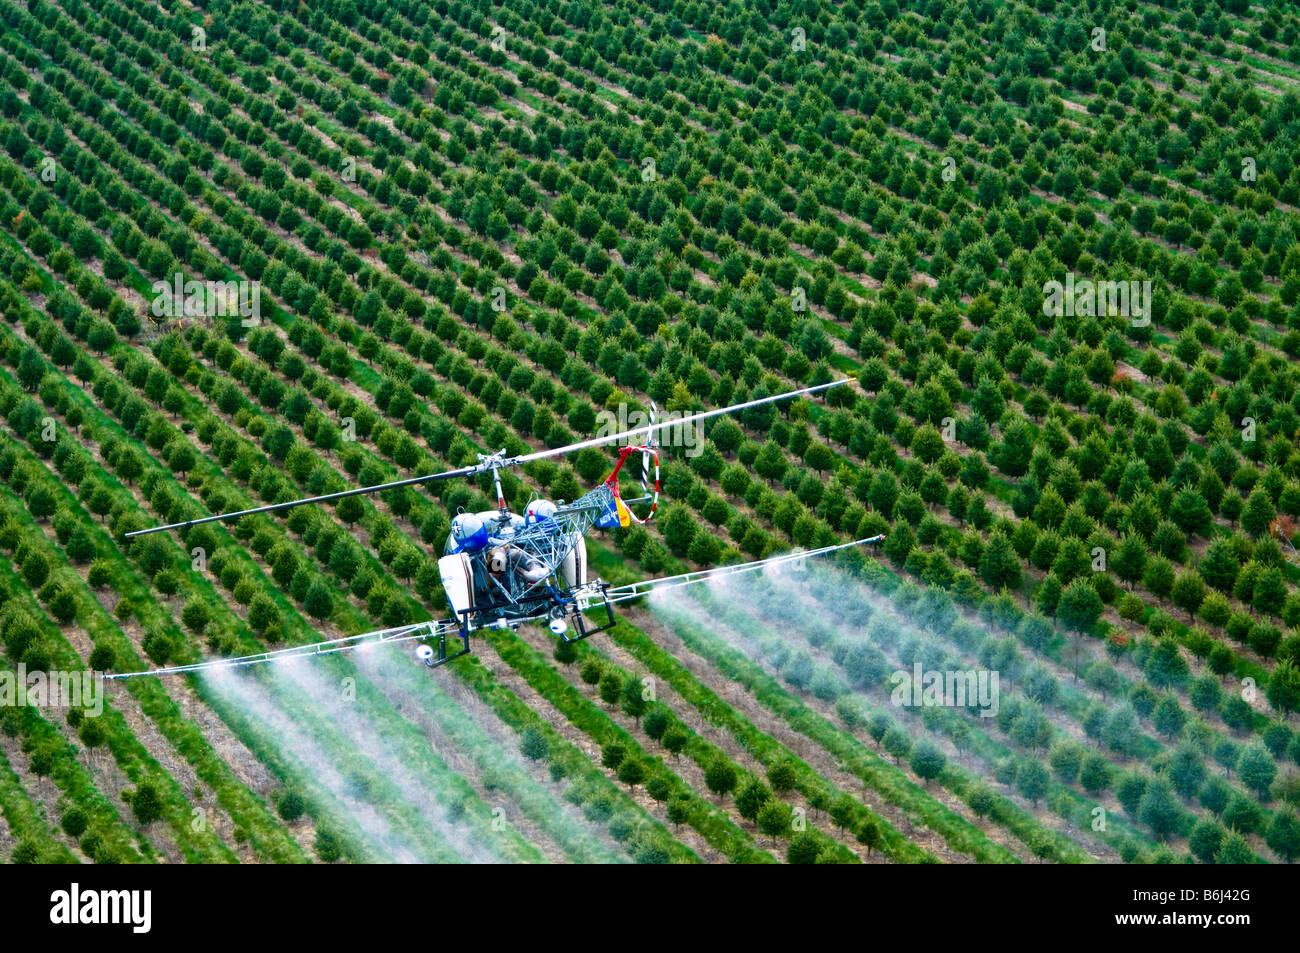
481, 562
512, 559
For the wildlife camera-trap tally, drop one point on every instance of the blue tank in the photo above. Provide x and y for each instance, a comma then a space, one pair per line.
468, 534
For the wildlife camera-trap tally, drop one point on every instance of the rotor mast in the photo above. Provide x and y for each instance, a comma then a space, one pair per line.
494, 462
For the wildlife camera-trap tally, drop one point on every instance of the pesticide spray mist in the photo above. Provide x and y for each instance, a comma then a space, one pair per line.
277, 729
367, 736
490, 745
809, 597
818, 603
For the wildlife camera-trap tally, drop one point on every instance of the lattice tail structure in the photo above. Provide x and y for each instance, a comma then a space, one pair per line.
551, 539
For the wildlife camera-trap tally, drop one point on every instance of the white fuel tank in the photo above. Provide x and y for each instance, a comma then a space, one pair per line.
457, 581
573, 568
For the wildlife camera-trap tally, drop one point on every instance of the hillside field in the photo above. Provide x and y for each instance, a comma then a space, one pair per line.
256, 251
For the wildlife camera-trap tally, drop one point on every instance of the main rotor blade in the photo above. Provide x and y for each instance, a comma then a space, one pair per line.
704, 415
275, 507
487, 462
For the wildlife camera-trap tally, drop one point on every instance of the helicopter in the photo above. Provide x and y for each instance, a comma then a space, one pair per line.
500, 569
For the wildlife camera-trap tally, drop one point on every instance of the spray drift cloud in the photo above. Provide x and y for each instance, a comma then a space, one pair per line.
823, 604
311, 762
369, 739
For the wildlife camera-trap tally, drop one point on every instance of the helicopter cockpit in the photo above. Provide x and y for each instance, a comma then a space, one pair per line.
493, 557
